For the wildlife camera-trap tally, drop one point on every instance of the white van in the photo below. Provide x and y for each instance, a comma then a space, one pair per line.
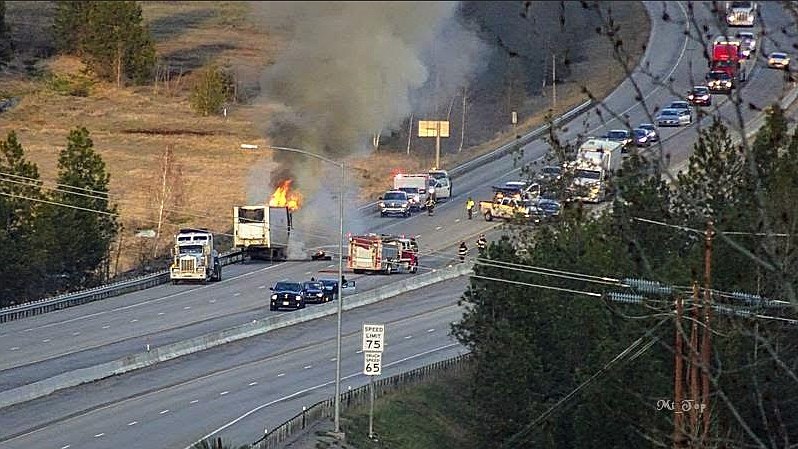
441, 183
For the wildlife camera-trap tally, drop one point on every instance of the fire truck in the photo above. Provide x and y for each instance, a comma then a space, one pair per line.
386, 254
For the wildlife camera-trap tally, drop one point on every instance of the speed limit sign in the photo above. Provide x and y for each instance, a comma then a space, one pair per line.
372, 363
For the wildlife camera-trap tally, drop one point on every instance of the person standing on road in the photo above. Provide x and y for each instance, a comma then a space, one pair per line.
463, 251
470, 207
482, 243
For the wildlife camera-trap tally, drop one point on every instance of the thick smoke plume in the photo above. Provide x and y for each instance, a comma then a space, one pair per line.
348, 70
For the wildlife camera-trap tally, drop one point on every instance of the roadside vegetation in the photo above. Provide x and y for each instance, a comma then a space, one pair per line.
184, 77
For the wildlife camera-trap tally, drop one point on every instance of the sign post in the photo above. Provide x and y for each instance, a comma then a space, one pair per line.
436, 129
373, 345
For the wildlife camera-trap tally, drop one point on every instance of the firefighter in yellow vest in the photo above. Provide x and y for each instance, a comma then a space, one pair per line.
470, 207
463, 251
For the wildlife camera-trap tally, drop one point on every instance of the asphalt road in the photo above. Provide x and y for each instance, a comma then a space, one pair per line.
94, 333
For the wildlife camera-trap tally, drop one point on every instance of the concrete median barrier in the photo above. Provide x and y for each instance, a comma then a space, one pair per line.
190, 346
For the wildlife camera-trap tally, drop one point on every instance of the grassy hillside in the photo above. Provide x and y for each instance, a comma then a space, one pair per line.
132, 126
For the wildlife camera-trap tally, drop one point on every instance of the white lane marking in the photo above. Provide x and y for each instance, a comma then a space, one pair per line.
133, 320
457, 220
430, 330
309, 272
106, 326
132, 423
418, 236
161, 313
252, 384
75, 334
316, 387
27, 330
212, 301
309, 367
99, 435
14, 348
262, 287
359, 351
438, 228
194, 401
667, 77
237, 294
223, 393
164, 411
46, 340
332, 359
186, 307
408, 337
155, 300
66, 447
281, 375
330, 266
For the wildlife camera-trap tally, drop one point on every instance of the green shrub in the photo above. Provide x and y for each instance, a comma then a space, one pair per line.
211, 90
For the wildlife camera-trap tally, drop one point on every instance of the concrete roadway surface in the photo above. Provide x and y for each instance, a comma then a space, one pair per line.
257, 383
93, 333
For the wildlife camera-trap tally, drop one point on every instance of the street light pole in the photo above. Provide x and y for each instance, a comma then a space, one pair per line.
340, 306
340, 278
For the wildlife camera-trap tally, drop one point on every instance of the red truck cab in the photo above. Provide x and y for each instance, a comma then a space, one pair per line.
726, 58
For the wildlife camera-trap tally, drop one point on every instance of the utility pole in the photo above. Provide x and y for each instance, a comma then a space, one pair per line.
553, 82
678, 396
693, 367
705, 341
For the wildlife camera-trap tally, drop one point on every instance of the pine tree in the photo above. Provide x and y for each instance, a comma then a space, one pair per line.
70, 25
83, 225
109, 36
212, 89
21, 269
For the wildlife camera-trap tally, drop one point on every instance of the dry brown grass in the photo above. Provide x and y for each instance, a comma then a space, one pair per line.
131, 126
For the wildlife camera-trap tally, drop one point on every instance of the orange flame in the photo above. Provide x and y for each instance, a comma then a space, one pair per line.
284, 196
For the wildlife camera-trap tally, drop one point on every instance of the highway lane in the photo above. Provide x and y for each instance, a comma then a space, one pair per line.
441, 229
90, 334
172, 403
98, 332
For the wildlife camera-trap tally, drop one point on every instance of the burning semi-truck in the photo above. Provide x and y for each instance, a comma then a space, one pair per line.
262, 232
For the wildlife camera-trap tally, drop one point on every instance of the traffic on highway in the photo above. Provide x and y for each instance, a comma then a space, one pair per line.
421, 225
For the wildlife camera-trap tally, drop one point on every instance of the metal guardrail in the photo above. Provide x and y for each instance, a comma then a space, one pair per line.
360, 396
511, 146
93, 294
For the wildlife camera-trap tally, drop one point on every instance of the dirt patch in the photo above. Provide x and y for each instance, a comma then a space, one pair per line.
131, 126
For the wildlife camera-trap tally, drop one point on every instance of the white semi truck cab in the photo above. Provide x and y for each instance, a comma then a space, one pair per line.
193, 257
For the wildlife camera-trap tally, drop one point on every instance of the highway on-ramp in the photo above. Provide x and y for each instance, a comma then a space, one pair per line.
156, 403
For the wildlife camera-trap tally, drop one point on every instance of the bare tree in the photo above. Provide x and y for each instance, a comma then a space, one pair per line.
169, 191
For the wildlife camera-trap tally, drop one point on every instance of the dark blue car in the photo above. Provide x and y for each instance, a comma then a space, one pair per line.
330, 289
287, 295
313, 292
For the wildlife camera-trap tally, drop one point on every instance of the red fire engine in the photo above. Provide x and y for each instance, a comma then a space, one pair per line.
382, 254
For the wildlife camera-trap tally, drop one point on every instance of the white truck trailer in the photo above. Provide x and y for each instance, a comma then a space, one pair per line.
193, 257
596, 161
262, 231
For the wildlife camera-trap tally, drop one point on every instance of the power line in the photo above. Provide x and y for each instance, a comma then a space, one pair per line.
698, 231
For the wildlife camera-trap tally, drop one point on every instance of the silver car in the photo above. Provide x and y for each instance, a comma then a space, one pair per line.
652, 131
679, 104
674, 117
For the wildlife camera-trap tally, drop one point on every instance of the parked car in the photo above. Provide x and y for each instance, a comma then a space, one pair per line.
549, 173
779, 60
313, 292
620, 135
674, 117
286, 294
642, 138
747, 43
330, 287
700, 96
526, 189
679, 104
395, 202
551, 207
653, 135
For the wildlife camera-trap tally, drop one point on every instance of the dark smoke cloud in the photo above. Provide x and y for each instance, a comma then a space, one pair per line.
350, 69
347, 70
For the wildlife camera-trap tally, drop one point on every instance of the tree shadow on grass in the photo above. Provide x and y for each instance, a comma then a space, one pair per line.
170, 26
